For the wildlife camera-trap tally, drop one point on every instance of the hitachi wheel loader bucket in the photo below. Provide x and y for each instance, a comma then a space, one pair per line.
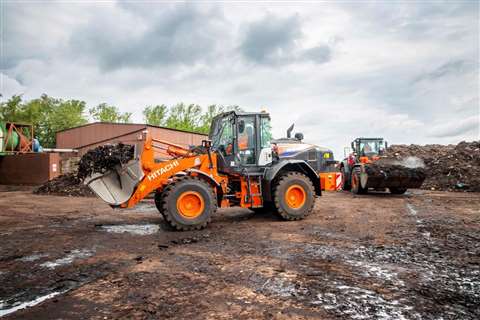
379, 177
116, 186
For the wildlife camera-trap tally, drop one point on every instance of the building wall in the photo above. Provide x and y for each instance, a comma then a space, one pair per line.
134, 138
90, 136
29, 168
94, 133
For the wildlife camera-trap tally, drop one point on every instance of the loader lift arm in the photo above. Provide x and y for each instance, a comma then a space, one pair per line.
157, 175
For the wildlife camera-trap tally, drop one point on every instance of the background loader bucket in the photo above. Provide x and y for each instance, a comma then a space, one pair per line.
116, 186
392, 176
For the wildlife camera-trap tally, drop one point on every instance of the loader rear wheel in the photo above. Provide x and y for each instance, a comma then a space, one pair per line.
356, 185
397, 190
188, 203
294, 196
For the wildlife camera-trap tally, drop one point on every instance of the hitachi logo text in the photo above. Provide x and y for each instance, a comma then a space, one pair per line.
159, 172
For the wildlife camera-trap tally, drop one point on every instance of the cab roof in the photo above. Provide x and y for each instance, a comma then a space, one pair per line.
240, 113
368, 139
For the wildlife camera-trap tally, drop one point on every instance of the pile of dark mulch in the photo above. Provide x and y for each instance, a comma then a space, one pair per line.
65, 185
448, 167
97, 160
104, 158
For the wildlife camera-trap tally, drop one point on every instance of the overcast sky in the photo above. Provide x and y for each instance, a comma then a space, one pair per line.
404, 70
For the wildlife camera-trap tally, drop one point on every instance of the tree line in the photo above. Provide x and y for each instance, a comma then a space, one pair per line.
49, 115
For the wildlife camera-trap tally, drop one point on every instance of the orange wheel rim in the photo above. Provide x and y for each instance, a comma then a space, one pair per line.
190, 204
295, 196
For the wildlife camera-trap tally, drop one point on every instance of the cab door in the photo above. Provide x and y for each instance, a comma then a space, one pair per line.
247, 140
254, 140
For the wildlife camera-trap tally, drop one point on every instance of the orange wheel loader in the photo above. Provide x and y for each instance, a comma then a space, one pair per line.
237, 166
361, 173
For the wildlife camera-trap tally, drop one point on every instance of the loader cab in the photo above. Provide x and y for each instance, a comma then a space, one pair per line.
369, 147
242, 141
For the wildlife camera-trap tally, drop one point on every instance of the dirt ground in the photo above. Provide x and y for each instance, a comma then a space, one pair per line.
378, 256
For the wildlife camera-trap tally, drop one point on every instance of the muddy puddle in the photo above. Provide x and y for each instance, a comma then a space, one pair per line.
134, 229
31, 297
69, 258
5, 310
33, 257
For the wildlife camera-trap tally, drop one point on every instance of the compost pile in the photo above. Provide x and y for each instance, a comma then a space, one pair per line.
65, 185
98, 160
448, 167
104, 158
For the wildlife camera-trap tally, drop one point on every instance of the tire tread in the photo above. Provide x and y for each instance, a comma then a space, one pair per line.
167, 192
277, 196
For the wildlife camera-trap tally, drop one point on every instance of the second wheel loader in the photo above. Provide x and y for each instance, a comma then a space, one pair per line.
367, 168
237, 166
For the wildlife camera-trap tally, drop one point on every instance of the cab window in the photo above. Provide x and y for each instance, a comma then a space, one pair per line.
265, 132
369, 147
222, 139
246, 140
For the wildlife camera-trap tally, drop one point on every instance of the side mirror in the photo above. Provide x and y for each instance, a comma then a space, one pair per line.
386, 145
299, 136
241, 126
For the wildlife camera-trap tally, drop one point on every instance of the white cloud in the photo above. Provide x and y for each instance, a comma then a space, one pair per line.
10, 86
457, 128
408, 72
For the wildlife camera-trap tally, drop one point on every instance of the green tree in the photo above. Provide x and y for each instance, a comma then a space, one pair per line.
210, 113
105, 113
47, 115
155, 115
67, 114
184, 117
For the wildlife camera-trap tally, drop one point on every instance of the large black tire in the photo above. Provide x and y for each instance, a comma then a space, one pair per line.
192, 187
158, 203
356, 185
397, 190
294, 182
345, 183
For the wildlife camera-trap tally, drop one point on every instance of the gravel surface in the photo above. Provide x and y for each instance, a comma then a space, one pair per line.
375, 256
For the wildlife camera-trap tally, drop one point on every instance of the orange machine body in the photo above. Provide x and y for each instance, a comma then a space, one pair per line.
157, 175
365, 159
331, 181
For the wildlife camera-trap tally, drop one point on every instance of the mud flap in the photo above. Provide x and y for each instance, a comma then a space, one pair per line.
116, 186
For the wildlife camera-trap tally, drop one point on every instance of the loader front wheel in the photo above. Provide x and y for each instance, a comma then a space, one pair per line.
158, 203
294, 196
356, 185
188, 204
